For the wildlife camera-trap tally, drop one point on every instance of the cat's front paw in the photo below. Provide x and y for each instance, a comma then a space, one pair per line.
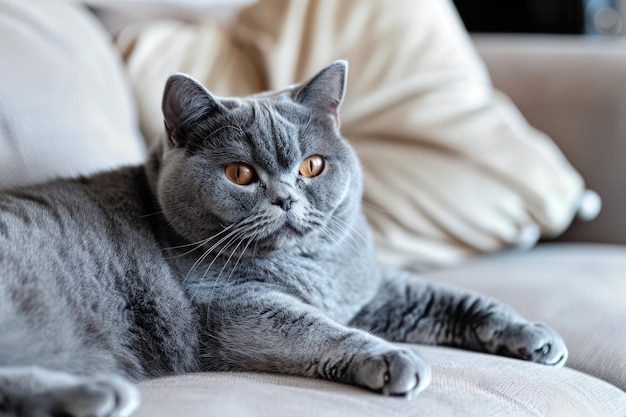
532, 342
101, 395
539, 343
397, 372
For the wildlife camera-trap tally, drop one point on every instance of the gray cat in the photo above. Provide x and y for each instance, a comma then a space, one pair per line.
240, 245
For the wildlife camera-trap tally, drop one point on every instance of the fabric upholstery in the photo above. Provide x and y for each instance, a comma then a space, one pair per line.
451, 167
65, 106
578, 289
464, 384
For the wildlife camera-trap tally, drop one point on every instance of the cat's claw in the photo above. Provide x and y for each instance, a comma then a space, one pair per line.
398, 372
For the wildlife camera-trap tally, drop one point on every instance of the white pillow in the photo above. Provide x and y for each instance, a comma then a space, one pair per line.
452, 169
65, 106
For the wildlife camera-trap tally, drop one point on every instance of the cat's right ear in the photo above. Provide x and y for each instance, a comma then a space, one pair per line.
185, 102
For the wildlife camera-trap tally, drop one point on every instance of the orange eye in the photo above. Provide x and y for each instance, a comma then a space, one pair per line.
312, 166
240, 173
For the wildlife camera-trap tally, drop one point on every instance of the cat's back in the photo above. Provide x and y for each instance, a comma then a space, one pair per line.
71, 221
80, 258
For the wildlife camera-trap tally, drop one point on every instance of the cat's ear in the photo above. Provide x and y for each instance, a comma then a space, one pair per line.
326, 90
185, 101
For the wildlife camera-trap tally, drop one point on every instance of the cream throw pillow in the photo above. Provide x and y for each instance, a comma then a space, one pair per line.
452, 169
65, 105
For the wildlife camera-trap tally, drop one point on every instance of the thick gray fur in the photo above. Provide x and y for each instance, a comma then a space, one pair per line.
171, 267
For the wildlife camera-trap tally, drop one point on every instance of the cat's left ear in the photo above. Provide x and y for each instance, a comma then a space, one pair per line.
326, 90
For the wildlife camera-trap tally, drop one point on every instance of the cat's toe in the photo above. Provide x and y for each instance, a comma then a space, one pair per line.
99, 396
126, 395
398, 372
539, 343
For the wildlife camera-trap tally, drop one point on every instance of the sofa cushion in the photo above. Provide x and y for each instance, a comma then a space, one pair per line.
65, 106
464, 384
451, 167
578, 289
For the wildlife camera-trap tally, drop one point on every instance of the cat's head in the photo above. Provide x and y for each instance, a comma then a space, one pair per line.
270, 170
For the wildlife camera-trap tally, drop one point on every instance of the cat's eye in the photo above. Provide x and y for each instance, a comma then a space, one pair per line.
312, 166
240, 173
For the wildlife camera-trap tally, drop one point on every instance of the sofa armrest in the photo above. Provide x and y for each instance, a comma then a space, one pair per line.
574, 89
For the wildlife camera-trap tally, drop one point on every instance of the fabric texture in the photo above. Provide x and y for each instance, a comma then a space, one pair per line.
451, 167
464, 384
578, 289
65, 106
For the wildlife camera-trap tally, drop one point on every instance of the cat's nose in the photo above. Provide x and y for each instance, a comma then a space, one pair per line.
284, 202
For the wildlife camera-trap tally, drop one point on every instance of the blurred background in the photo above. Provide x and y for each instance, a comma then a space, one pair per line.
598, 17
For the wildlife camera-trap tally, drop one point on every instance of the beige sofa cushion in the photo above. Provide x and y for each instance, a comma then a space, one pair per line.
579, 289
65, 107
464, 384
452, 169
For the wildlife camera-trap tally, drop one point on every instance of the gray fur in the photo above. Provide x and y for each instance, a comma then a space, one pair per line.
172, 268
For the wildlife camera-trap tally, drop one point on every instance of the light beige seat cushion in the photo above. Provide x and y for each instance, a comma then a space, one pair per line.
464, 384
579, 289
452, 169
65, 106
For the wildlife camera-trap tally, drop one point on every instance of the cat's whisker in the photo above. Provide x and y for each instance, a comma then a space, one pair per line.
329, 234
355, 233
199, 283
340, 228
197, 244
252, 238
236, 263
256, 246
242, 228
156, 213
343, 229
234, 239
208, 252
254, 225
232, 253
354, 246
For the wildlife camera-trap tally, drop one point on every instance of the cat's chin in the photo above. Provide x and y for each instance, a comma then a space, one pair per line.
290, 225
282, 239
291, 235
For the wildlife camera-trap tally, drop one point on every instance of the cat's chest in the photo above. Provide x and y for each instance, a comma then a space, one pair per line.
340, 289
337, 283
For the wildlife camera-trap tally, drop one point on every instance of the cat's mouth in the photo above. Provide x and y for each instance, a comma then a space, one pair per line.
285, 229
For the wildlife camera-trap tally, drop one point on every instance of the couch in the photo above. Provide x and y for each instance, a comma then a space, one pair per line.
61, 114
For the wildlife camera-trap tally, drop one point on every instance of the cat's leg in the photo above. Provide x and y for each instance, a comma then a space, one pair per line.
39, 392
410, 310
253, 329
